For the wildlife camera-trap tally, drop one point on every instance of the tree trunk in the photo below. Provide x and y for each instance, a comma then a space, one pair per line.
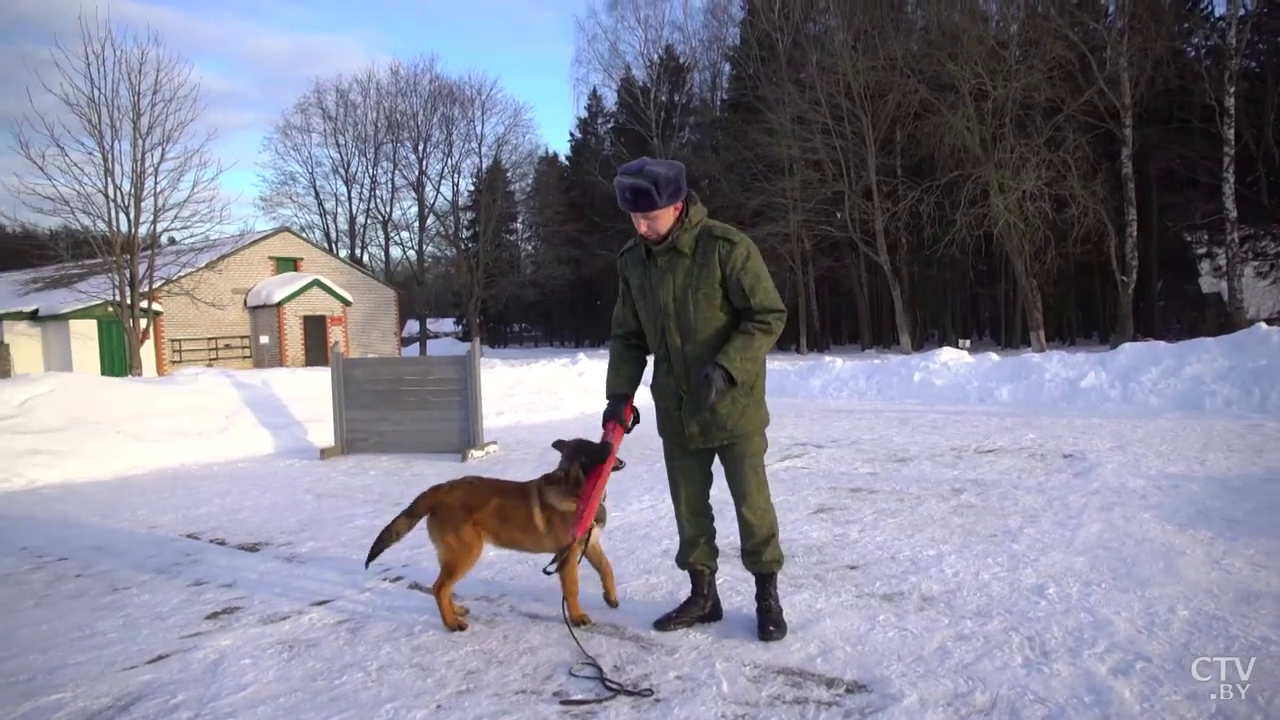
1003, 306
906, 308
1014, 341
905, 342
1099, 292
473, 318
811, 286
1230, 212
133, 339
802, 310
1032, 304
866, 331
862, 289
422, 331
796, 259
1073, 313
1127, 274
420, 259
388, 269
1123, 331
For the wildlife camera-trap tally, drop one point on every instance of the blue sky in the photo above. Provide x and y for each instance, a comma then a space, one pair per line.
256, 58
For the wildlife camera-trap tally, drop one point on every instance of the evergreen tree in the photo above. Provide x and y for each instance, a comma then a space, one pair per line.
490, 250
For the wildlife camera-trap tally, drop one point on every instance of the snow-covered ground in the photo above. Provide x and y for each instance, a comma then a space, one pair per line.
1059, 535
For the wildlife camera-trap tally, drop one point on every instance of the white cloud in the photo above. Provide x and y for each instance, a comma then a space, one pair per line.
250, 69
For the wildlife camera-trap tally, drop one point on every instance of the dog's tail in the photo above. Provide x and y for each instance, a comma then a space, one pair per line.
401, 524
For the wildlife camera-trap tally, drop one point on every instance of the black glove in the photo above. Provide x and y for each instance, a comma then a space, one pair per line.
613, 411
715, 380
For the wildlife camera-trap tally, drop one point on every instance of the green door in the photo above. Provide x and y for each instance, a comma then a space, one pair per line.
113, 349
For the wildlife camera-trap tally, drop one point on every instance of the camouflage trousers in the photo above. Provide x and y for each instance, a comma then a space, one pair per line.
689, 477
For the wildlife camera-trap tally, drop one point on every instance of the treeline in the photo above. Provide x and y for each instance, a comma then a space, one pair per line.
915, 173
24, 246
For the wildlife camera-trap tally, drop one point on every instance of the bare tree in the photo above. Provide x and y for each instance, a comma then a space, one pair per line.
121, 158
296, 176
486, 128
1001, 121
363, 163
779, 154
614, 37
865, 104
1226, 112
1216, 46
344, 113
424, 117
321, 164
1118, 44
617, 40
379, 154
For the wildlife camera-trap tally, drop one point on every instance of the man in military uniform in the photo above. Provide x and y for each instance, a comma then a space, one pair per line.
696, 294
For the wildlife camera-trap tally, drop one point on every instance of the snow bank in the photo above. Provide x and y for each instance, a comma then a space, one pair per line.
63, 426
1237, 374
1232, 374
50, 433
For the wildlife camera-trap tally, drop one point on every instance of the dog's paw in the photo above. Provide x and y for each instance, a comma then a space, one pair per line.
580, 620
611, 601
461, 610
458, 625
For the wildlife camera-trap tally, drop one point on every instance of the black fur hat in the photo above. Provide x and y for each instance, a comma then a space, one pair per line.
645, 184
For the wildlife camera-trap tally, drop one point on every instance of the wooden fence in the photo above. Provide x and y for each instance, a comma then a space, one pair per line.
426, 404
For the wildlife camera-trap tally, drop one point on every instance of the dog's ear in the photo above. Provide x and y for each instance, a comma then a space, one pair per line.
558, 445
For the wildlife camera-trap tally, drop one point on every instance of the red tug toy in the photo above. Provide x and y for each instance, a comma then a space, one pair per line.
593, 489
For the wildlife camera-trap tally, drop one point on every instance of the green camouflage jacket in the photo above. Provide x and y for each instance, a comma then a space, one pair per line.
702, 295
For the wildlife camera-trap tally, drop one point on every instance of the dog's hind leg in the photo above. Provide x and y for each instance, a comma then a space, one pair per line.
457, 554
600, 563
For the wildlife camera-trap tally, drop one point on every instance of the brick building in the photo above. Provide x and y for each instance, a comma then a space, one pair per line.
261, 300
272, 299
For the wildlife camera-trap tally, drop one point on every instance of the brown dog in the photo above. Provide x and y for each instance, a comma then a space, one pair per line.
534, 516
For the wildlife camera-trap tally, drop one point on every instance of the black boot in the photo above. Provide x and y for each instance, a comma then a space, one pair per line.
770, 624
702, 605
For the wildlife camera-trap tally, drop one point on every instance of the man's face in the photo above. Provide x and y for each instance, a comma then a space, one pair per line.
654, 226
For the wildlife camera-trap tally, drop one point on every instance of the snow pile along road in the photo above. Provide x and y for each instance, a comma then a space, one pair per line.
1232, 374
201, 416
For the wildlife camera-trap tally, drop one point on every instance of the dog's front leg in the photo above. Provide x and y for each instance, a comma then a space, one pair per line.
569, 586
600, 562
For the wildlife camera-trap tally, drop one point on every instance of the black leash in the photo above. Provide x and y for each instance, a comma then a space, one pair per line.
614, 687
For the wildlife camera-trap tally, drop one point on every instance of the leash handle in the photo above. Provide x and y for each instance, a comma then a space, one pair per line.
632, 421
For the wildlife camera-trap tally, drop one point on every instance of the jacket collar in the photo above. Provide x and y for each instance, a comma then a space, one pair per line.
683, 234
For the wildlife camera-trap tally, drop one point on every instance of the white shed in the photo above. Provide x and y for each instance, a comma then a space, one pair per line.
63, 329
